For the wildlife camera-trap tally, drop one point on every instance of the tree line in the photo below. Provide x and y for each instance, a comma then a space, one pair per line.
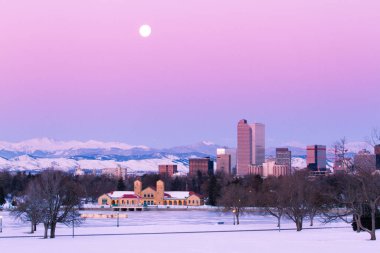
353, 198
53, 197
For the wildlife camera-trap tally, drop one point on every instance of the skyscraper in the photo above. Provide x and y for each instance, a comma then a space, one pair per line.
223, 161
250, 146
316, 157
232, 153
244, 147
258, 143
284, 157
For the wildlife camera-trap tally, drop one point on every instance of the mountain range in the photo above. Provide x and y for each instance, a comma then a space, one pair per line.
37, 154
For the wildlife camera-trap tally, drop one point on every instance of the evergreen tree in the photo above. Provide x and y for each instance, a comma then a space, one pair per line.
213, 190
121, 185
2, 196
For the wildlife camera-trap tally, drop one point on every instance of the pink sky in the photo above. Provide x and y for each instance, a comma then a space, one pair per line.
78, 69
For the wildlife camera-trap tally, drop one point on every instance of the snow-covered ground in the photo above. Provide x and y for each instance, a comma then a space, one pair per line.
143, 232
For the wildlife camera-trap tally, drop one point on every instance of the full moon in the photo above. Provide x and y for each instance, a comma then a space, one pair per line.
145, 31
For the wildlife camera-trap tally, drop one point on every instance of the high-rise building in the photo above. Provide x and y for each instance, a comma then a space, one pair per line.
250, 146
284, 157
223, 161
244, 147
167, 170
258, 143
203, 165
316, 158
232, 153
377, 153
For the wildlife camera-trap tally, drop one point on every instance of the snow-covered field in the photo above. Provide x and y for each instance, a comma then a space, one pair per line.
186, 231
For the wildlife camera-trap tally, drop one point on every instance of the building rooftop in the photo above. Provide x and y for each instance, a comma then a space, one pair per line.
119, 194
177, 194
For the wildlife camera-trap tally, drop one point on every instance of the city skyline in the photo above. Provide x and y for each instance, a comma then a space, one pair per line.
79, 70
181, 123
250, 148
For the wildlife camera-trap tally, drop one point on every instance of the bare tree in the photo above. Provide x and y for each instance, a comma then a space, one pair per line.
374, 139
62, 198
272, 198
296, 207
31, 207
315, 200
53, 197
356, 196
346, 200
235, 198
370, 189
342, 161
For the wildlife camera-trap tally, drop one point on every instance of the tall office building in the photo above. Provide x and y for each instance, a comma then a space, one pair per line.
244, 147
258, 143
232, 153
284, 157
203, 165
377, 153
223, 161
316, 158
250, 146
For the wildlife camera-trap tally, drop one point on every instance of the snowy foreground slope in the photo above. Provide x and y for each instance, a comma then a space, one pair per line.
188, 231
231, 242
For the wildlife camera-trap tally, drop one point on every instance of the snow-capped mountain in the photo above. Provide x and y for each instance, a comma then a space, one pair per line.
37, 154
51, 145
44, 153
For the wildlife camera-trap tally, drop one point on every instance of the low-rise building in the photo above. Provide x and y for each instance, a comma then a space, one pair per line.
167, 170
364, 160
202, 165
269, 168
150, 196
